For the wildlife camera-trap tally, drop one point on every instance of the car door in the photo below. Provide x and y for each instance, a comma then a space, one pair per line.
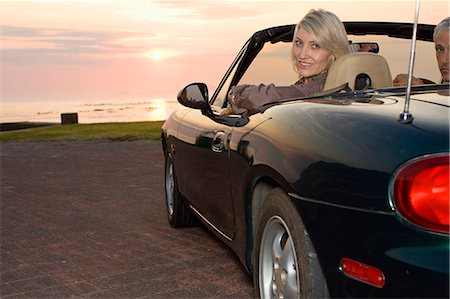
202, 154
202, 158
203, 173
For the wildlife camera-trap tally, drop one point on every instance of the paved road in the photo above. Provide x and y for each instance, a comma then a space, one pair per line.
88, 220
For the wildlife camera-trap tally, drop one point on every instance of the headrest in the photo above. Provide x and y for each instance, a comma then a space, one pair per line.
361, 69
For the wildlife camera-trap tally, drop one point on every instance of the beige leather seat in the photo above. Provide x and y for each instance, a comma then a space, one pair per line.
361, 70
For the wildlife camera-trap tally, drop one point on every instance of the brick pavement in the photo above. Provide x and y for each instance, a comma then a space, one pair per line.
88, 220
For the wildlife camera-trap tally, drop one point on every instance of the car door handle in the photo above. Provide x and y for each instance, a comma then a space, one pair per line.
218, 143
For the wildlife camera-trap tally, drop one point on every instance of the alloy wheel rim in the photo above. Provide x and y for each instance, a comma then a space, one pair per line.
278, 276
170, 186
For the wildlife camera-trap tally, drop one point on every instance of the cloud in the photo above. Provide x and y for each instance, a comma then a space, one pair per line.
211, 11
25, 45
192, 12
12, 31
125, 30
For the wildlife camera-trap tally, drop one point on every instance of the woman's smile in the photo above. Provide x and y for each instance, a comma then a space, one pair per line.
311, 58
305, 65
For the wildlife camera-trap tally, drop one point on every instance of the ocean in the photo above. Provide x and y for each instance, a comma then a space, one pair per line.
88, 111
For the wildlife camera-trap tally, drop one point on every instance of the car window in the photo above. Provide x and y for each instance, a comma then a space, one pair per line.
273, 64
219, 98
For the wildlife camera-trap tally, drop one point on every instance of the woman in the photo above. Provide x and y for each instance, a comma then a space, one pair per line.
319, 39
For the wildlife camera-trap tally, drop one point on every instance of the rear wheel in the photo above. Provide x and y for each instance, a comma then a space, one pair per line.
177, 211
285, 263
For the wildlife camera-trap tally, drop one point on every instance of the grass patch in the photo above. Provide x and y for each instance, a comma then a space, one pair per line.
126, 131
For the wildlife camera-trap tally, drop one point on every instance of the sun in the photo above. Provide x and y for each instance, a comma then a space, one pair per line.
160, 54
156, 54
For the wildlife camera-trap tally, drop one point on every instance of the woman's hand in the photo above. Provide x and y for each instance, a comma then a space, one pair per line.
227, 111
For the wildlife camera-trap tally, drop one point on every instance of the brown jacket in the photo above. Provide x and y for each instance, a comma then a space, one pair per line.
248, 97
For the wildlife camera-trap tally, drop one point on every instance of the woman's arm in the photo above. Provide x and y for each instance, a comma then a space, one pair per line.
249, 97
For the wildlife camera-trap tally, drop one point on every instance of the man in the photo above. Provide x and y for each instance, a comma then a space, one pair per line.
441, 39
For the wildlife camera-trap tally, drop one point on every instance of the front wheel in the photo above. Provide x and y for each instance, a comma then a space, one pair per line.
285, 263
177, 211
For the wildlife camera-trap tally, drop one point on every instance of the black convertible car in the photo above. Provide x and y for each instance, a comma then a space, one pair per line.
342, 194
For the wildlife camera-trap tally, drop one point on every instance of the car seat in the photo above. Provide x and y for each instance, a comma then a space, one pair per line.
361, 70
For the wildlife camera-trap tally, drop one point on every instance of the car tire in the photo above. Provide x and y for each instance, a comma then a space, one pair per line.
177, 211
285, 263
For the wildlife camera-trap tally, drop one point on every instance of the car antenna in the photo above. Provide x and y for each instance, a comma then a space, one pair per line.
406, 116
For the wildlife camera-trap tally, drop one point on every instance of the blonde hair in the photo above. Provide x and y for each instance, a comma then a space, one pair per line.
326, 30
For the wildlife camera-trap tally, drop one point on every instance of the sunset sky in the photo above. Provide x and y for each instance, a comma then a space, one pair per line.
115, 50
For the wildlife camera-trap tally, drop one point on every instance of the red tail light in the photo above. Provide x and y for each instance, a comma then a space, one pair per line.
421, 193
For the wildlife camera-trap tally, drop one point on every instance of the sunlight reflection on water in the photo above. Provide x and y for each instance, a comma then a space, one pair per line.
92, 112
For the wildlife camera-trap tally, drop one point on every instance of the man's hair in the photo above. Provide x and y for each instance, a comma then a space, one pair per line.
444, 25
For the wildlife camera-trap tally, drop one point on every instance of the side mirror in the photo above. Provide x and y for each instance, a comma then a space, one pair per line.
194, 96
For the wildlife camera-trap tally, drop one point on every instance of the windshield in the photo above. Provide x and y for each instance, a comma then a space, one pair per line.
273, 64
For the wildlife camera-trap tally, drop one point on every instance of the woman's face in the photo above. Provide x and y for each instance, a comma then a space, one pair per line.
309, 57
